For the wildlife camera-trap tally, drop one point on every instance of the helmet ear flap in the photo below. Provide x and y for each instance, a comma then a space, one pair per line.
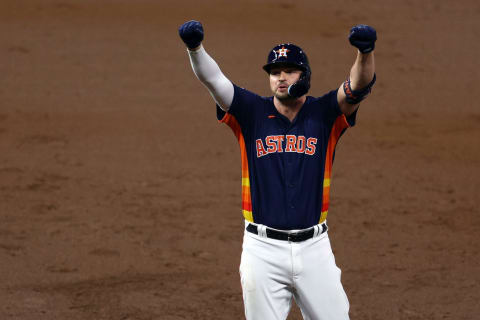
302, 86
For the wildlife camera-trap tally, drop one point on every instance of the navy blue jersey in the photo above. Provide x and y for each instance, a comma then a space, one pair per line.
286, 166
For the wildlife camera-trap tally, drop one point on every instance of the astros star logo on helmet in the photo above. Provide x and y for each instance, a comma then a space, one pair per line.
282, 52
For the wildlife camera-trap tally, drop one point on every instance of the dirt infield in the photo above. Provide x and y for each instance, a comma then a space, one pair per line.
120, 192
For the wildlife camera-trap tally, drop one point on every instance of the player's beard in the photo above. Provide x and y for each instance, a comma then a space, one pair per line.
282, 96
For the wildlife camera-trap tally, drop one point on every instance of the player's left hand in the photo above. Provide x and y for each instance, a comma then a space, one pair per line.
363, 37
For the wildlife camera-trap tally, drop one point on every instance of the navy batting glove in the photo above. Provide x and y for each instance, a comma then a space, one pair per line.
363, 37
191, 33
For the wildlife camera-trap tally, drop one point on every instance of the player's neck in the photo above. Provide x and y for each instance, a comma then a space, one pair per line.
289, 107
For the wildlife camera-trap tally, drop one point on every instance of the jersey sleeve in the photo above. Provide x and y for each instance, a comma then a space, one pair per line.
244, 107
332, 109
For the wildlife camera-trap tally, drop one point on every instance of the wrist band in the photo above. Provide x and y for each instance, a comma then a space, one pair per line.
356, 96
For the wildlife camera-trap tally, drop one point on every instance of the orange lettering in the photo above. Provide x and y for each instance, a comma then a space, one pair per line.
311, 142
291, 141
300, 144
279, 140
260, 149
271, 146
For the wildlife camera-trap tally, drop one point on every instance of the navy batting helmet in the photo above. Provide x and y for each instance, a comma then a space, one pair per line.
287, 54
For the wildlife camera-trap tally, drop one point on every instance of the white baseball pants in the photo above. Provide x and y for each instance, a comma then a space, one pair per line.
273, 272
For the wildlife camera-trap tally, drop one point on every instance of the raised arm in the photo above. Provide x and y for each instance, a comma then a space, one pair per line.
204, 67
362, 75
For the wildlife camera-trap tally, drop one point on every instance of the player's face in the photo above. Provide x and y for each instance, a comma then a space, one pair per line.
281, 78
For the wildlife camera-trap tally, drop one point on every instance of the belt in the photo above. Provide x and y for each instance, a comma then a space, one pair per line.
288, 236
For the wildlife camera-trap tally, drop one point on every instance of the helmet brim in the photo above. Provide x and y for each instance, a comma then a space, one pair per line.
269, 66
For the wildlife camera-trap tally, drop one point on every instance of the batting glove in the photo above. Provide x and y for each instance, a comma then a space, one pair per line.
191, 33
363, 37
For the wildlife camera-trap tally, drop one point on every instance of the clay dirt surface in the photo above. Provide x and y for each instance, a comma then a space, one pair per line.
120, 191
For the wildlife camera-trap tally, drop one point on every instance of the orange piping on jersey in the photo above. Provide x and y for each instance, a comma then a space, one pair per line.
337, 129
246, 195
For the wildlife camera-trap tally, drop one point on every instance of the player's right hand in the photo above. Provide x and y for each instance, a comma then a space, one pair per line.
191, 33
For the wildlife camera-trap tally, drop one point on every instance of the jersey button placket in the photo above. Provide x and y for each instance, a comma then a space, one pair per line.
290, 172
290, 189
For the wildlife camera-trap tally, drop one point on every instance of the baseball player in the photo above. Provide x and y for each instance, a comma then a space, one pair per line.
287, 145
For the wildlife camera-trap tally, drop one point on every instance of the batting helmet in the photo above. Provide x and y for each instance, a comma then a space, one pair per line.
287, 54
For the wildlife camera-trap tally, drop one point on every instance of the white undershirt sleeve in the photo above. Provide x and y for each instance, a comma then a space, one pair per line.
208, 72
